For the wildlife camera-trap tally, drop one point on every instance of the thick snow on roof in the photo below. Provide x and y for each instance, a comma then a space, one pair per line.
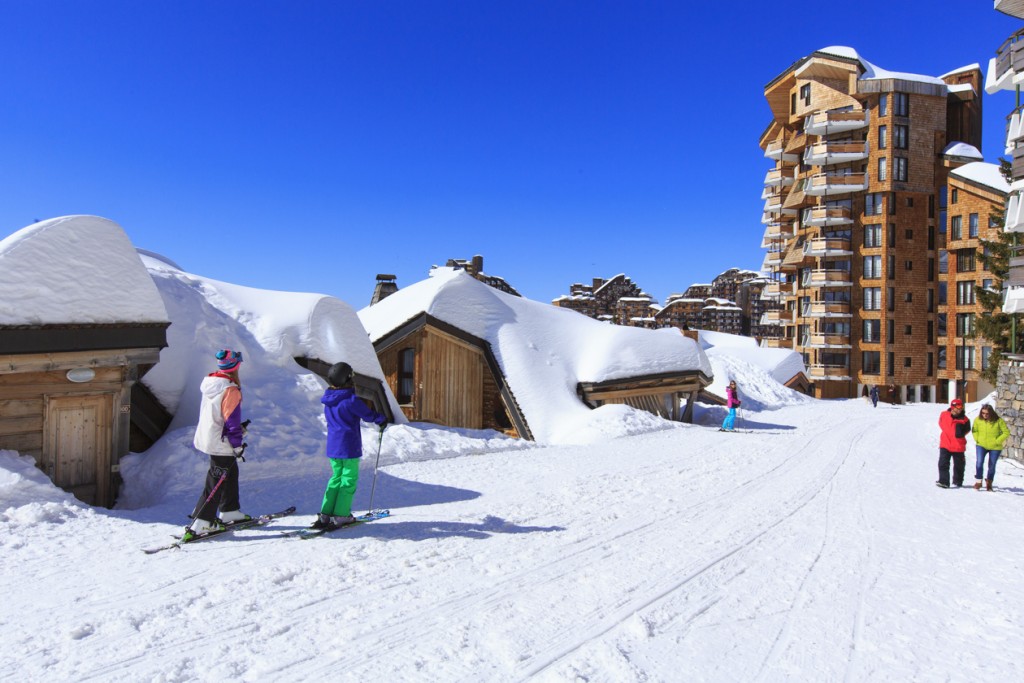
872, 72
75, 269
544, 351
962, 149
968, 67
781, 364
984, 174
271, 328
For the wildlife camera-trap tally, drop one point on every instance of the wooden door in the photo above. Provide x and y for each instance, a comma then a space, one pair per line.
77, 445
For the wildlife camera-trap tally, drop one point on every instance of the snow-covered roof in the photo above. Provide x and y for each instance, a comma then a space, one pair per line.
75, 269
963, 69
983, 173
270, 327
962, 149
543, 351
782, 364
872, 72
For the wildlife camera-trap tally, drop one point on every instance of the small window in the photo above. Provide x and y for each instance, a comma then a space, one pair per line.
910, 201
900, 170
883, 138
805, 94
406, 378
883, 105
901, 137
901, 104
954, 196
908, 329
908, 265
906, 361
908, 297
909, 234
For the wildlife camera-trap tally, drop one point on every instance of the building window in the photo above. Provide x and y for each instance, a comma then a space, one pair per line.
883, 173
871, 362
986, 353
965, 324
901, 104
892, 233
931, 237
890, 363
890, 293
930, 300
906, 362
908, 265
908, 297
972, 225
872, 267
792, 103
883, 141
908, 233
890, 331
908, 330
965, 293
954, 196
930, 334
900, 170
965, 260
929, 367
873, 204
892, 266
805, 94
956, 227
941, 358
964, 357
901, 137
406, 369
872, 235
940, 323
872, 298
872, 330
883, 105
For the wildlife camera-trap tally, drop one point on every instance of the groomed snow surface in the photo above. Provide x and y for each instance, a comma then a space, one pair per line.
812, 545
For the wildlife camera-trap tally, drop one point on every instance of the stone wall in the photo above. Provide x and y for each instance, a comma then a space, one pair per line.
1010, 405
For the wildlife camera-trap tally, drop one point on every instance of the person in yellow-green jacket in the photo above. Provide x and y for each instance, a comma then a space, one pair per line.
990, 435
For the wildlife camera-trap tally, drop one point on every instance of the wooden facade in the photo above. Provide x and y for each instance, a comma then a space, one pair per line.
71, 410
668, 395
443, 375
367, 388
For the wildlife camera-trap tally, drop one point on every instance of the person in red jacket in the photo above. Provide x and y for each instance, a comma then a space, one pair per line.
954, 428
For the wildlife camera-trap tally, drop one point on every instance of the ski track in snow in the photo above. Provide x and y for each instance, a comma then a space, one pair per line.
679, 555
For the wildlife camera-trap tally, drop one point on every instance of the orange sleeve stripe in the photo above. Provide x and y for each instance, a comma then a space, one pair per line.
232, 399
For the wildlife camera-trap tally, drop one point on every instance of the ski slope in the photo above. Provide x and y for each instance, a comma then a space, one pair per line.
813, 546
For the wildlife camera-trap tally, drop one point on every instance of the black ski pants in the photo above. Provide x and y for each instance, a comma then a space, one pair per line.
958, 467
221, 490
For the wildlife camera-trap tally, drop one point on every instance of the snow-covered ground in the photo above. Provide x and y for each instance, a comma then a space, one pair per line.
812, 546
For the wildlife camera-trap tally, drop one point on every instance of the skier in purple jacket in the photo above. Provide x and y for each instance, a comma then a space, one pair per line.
732, 402
343, 411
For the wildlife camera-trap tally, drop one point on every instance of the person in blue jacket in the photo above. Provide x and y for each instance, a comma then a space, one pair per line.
343, 411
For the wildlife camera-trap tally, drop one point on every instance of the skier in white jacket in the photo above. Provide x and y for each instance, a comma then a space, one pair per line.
219, 434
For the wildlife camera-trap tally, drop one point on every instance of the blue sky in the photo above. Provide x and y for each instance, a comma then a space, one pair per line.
307, 145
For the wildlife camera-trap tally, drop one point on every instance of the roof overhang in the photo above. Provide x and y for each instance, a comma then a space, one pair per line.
81, 337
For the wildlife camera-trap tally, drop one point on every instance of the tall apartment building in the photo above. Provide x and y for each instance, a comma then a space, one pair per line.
852, 226
1006, 72
601, 300
974, 201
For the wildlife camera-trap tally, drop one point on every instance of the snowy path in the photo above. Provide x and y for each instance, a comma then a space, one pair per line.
816, 552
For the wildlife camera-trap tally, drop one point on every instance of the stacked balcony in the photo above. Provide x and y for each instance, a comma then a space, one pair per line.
828, 215
775, 231
777, 317
779, 177
777, 290
817, 340
826, 309
827, 246
823, 373
824, 277
776, 150
824, 184
776, 343
830, 122
831, 152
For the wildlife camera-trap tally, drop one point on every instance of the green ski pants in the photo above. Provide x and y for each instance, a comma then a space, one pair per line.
341, 487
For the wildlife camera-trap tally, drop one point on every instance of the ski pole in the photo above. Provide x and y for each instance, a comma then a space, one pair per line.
373, 487
216, 486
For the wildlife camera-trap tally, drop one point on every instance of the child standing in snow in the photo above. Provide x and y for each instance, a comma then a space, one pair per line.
732, 402
343, 411
954, 427
219, 435
990, 435
874, 395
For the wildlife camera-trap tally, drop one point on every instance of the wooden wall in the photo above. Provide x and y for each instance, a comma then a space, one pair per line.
76, 432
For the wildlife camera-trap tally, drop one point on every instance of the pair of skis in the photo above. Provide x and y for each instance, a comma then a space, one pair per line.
263, 520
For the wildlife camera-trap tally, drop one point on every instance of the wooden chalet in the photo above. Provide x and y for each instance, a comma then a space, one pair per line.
444, 375
668, 395
68, 398
367, 388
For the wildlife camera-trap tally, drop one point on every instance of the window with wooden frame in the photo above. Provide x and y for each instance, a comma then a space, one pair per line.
406, 375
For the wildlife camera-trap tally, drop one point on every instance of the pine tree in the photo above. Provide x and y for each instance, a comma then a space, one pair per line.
993, 324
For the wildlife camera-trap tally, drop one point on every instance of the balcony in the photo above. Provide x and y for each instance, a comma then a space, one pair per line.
827, 246
824, 373
776, 317
779, 177
826, 309
777, 290
776, 231
776, 150
1014, 130
828, 215
824, 184
825, 341
1009, 62
826, 153
829, 122
1014, 219
773, 259
827, 278
776, 343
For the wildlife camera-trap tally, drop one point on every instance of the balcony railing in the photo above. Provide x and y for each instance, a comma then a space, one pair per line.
827, 184
776, 150
826, 341
828, 215
779, 177
828, 372
827, 246
826, 309
777, 290
776, 317
1010, 54
1014, 219
773, 258
827, 278
825, 153
829, 122
776, 230
776, 343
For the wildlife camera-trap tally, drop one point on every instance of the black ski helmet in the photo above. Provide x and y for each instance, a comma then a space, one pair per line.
339, 375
